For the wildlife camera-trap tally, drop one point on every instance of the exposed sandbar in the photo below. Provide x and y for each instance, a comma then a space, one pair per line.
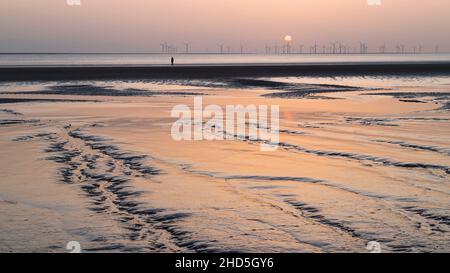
53, 73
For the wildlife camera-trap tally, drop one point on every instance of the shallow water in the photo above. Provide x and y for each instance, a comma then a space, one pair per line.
351, 168
209, 59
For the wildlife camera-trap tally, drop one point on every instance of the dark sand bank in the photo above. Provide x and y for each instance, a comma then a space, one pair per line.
220, 71
20, 100
92, 90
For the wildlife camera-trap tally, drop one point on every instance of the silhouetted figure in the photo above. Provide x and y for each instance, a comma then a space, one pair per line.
172, 60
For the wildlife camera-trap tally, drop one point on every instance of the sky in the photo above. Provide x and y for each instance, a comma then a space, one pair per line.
136, 26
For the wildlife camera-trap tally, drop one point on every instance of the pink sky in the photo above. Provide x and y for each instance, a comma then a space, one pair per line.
141, 25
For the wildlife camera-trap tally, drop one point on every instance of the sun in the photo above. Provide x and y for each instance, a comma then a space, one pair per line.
288, 38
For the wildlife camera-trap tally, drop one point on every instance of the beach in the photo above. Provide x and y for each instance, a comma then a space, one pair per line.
87, 156
206, 71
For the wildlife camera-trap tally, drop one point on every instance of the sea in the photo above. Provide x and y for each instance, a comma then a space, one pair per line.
94, 59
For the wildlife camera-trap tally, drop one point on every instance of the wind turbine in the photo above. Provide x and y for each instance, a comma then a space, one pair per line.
340, 48
164, 48
186, 45
315, 47
362, 48
334, 47
344, 48
221, 48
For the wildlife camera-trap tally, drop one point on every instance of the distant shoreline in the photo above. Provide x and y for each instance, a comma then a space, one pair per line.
59, 73
218, 53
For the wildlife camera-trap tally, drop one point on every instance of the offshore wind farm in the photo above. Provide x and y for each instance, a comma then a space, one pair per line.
291, 46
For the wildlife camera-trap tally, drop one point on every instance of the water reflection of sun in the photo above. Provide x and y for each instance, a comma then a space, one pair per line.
288, 115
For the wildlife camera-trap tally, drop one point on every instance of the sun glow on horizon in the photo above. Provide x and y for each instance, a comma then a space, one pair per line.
288, 38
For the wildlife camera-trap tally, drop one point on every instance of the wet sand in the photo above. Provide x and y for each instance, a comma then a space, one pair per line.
355, 164
55, 73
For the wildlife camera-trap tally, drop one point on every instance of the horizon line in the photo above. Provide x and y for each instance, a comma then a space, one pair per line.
219, 53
